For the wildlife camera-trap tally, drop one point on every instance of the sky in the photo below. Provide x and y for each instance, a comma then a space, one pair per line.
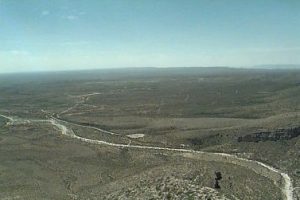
43, 35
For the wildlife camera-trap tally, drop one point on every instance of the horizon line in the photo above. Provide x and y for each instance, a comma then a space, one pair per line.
260, 66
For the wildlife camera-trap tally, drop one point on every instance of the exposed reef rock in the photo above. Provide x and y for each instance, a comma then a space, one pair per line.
279, 134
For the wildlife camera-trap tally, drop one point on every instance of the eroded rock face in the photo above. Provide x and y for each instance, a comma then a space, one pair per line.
279, 134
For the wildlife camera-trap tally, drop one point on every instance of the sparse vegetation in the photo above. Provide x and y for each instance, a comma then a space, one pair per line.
203, 109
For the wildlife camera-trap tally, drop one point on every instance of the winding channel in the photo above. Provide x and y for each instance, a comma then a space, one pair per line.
280, 178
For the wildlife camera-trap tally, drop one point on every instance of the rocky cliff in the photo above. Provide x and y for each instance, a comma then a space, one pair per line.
279, 134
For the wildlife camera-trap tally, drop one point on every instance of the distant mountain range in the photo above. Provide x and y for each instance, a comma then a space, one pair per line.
154, 71
281, 66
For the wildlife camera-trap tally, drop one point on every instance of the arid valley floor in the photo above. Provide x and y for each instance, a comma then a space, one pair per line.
151, 133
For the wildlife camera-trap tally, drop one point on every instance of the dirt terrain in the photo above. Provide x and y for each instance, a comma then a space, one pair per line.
206, 111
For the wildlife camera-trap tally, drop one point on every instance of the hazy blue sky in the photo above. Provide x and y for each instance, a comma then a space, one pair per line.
70, 34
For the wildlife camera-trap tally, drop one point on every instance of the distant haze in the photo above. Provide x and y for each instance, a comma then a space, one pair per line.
69, 35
